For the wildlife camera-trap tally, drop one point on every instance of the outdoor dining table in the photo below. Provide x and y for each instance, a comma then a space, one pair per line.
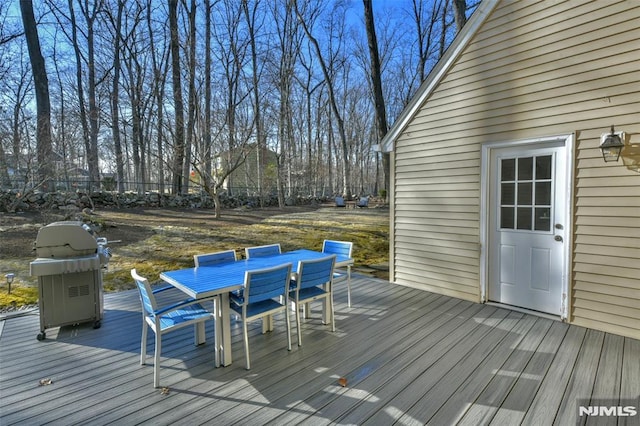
209, 282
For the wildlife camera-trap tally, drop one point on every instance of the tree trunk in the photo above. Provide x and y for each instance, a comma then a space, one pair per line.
43, 105
178, 155
205, 152
158, 93
260, 140
376, 79
115, 93
460, 9
191, 113
92, 154
80, 89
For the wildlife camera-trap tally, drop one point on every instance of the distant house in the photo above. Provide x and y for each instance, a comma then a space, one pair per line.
245, 178
499, 189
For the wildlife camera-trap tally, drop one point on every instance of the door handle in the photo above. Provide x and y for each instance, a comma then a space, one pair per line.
558, 238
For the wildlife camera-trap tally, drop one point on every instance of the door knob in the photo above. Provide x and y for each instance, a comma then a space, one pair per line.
558, 238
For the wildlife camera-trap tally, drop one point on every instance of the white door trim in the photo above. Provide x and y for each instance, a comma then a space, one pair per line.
485, 181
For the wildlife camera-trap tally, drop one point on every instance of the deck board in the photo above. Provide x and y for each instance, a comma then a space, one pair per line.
580, 384
409, 356
553, 386
471, 386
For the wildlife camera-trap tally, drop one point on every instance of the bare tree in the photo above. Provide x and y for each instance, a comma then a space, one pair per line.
333, 101
43, 105
90, 13
376, 80
251, 16
284, 61
88, 121
160, 65
136, 73
425, 29
191, 96
205, 150
178, 151
115, 94
235, 128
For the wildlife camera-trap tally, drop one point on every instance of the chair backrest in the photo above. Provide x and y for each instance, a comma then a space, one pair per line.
261, 251
312, 273
340, 248
363, 202
340, 202
146, 294
209, 259
265, 284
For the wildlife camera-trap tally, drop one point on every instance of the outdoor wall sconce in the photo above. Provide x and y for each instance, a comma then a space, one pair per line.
9, 278
611, 145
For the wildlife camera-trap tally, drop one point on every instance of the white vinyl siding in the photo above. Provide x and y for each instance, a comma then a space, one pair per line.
533, 70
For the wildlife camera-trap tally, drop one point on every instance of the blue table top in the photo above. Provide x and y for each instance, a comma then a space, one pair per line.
208, 281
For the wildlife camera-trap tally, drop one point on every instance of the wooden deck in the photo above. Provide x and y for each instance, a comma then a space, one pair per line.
408, 356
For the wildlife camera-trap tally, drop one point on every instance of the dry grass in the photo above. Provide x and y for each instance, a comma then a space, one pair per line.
173, 247
161, 246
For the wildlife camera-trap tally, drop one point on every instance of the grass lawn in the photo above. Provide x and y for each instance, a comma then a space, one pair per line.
153, 241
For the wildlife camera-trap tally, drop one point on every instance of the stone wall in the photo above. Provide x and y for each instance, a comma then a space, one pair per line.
13, 201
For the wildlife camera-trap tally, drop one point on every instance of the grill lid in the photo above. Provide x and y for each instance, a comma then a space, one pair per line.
64, 240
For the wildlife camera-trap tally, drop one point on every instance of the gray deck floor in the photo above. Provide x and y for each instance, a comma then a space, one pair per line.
408, 356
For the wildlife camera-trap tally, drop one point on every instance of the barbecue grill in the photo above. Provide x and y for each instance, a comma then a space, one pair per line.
69, 264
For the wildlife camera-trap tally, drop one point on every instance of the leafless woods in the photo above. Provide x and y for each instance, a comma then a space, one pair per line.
211, 95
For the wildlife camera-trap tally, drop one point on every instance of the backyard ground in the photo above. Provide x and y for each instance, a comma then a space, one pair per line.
154, 240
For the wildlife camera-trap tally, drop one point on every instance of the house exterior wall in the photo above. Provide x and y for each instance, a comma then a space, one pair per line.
533, 69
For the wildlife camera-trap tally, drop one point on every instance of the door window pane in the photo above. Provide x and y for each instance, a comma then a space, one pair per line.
543, 193
543, 167
508, 194
506, 218
543, 219
524, 218
524, 193
508, 170
525, 168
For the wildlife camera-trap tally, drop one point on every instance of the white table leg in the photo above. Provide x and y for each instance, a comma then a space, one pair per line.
225, 322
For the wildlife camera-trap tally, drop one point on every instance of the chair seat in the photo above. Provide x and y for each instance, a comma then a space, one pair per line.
309, 293
258, 308
338, 276
188, 314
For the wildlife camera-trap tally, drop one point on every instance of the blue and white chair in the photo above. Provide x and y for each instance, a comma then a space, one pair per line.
265, 292
209, 259
162, 320
262, 251
213, 259
313, 282
340, 248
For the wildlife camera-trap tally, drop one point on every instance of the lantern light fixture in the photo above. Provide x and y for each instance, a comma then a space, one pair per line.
9, 277
611, 145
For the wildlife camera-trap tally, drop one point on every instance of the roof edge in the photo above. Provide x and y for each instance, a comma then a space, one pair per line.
444, 64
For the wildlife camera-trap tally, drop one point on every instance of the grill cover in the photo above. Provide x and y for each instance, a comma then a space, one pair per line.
61, 240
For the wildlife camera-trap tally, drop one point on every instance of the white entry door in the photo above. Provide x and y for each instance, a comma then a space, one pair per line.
526, 226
